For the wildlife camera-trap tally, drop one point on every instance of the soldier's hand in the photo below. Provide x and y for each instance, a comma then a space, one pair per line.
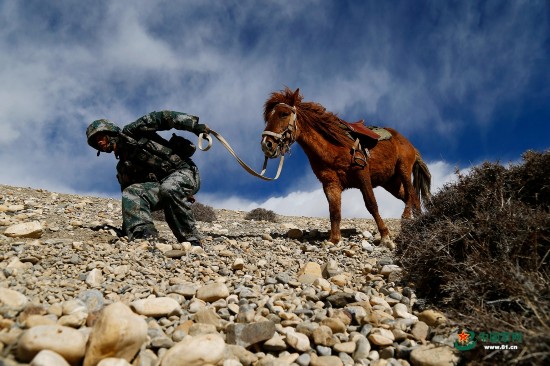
201, 128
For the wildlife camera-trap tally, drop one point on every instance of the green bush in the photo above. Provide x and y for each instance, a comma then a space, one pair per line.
481, 252
261, 214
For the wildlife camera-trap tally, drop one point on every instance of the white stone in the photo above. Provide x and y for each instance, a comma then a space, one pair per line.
206, 349
432, 318
401, 311
67, 342
156, 307
380, 340
163, 247
48, 358
74, 320
238, 264
16, 264
118, 332
111, 361
12, 301
74, 306
389, 268
367, 234
94, 278
431, 355
298, 341
311, 268
213, 292
339, 280
31, 229
322, 283
375, 300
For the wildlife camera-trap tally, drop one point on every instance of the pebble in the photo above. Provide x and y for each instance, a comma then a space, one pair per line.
117, 333
31, 229
420, 331
257, 293
298, 341
246, 335
195, 351
69, 343
11, 302
432, 318
155, 307
433, 356
212, 292
48, 358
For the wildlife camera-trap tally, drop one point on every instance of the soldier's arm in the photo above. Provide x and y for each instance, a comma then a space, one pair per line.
165, 120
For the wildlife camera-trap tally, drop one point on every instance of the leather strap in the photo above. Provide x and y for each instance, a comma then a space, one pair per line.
220, 138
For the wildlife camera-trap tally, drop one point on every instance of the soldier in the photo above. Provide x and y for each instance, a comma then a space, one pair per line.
154, 173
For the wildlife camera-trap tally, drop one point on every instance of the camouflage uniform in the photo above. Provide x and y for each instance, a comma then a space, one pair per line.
153, 177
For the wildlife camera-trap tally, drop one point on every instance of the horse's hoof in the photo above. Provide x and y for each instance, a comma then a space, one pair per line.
388, 243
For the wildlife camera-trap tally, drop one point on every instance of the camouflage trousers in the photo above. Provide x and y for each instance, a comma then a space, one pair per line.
170, 195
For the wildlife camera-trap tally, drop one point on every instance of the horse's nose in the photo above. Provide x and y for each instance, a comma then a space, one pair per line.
268, 148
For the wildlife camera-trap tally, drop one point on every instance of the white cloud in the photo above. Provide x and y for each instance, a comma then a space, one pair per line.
64, 65
312, 202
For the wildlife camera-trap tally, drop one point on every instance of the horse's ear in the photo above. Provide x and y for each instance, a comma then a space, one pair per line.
296, 96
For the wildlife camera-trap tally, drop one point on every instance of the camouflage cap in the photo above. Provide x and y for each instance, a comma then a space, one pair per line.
100, 125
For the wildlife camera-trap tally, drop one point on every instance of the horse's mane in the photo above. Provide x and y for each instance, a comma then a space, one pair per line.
312, 114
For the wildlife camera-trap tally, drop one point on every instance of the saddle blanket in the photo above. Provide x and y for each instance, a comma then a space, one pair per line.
383, 133
358, 129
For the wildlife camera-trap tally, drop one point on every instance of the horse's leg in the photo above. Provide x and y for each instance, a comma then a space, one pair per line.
395, 187
372, 207
333, 192
412, 202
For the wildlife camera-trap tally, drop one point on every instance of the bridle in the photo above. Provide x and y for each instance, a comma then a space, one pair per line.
285, 138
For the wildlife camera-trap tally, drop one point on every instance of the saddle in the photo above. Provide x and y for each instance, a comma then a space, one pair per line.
365, 139
360, 129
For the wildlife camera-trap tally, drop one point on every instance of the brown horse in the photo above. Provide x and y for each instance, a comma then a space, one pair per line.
330, 150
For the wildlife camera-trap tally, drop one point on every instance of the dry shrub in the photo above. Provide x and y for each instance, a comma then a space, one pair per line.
261, 214
481, 252
203, 212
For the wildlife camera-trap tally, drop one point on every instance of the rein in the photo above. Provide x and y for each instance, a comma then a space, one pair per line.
284, 140
220, 138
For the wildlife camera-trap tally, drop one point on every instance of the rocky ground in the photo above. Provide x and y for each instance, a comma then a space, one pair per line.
260, 293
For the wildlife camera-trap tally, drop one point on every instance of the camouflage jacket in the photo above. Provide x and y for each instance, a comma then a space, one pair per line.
144, 155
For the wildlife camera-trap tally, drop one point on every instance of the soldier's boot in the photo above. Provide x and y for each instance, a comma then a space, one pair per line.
195, 241
145, 232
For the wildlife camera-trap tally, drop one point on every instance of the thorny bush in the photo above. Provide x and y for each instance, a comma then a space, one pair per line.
481, 252
201, 212
261, 214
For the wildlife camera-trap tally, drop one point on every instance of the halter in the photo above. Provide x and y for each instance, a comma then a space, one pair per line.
285, 138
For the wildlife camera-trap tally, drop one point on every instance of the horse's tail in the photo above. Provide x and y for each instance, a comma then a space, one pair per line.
421, 179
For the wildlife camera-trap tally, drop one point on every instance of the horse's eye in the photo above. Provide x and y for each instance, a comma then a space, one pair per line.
283, 114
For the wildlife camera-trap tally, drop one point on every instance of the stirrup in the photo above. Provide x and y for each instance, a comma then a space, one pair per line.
358, 157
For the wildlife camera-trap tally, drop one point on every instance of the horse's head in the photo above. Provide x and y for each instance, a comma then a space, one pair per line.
281, 128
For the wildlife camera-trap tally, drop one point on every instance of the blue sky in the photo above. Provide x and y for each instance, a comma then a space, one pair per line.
465, 81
